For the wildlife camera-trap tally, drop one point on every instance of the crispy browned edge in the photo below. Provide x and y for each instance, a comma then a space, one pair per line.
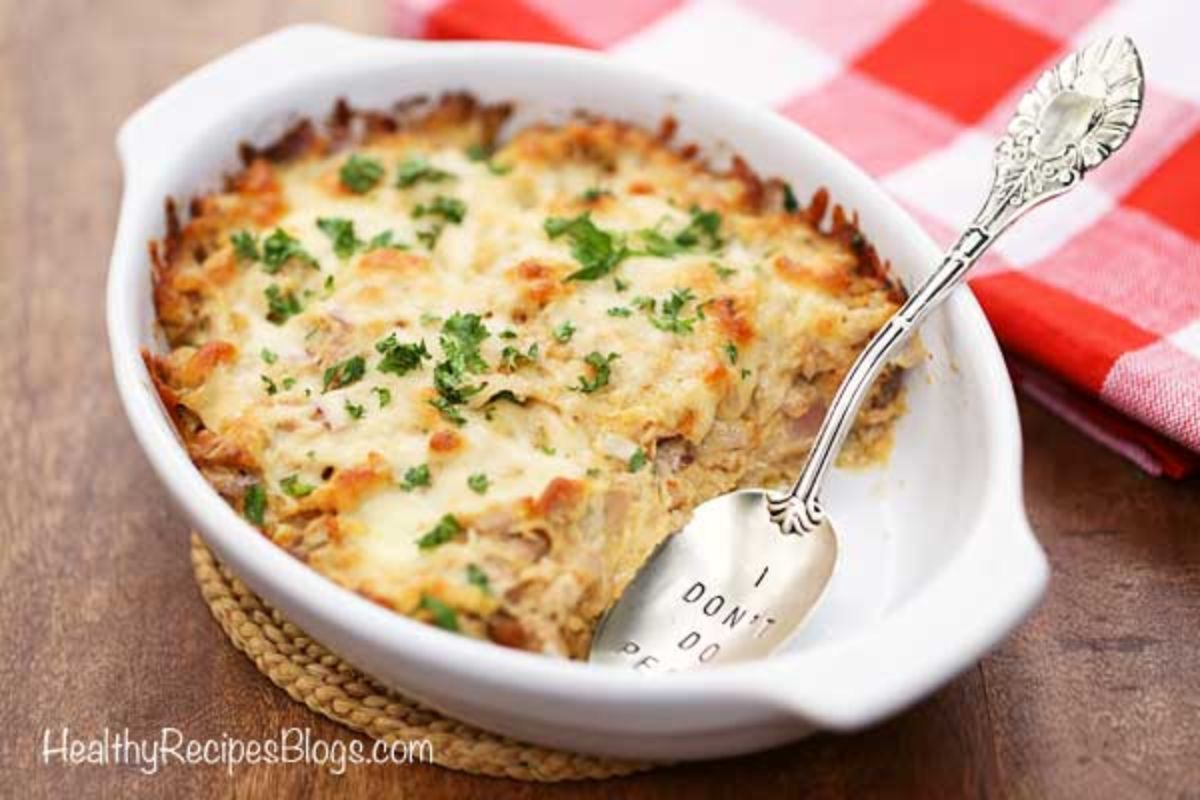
346, 126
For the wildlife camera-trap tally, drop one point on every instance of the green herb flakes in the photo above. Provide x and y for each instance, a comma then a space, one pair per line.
384, 240
245, 245
361, 174
601, 372
281, 306
477, 577
341, 233
400, 359
724, 273
446, 529
670, 315
564, 332
597, 251
281, 247
450, 209
443, 615
479, 153
292, 486
415, 169
344, 373
461, 337
254, 503
416, 477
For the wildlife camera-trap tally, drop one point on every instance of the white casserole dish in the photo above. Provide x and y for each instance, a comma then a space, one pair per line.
938, 561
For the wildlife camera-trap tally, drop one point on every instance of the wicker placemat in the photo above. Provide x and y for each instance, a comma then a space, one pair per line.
328, 685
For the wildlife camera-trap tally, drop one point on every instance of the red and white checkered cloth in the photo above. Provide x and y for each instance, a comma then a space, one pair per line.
1096, 303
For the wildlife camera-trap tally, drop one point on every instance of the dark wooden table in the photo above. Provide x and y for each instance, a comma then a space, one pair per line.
1096, 696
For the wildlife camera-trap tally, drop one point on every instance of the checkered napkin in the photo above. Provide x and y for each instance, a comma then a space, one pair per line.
1097, 303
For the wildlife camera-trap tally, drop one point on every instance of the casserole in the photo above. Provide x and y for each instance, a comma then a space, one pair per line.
460, 419
938, 559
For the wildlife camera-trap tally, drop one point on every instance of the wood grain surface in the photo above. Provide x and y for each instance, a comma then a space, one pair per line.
1096, 696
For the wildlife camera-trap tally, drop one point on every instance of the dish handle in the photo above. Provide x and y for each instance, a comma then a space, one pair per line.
996, 582
155, 128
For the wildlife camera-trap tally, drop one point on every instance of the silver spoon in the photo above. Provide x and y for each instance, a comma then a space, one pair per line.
729, 587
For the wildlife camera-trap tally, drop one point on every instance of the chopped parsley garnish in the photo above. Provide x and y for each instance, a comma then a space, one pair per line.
450, 209
269, 384
446, 406
360, 174
400, 359
731, 351
620, 285
355, 410
619, 311
668, 317
704, 228
597, 251
281, 247
478, 152
415, 477
595, 193
461, 336
477, 577
745, 373
268, 356
287, 383
245, 245
384, 240
601, 371
443, 615
564, 332
254, 503
416, 169
445, 530
508, 334
384, 393
281, 306
344, 373
341, 233
657, 244
790, 204
478, 483
722, 272
637, 460
429, 237
511, 358
292, 486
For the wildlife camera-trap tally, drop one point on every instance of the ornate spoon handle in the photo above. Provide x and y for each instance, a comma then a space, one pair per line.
1079, 112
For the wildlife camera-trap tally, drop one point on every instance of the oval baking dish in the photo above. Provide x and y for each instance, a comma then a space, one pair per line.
938, 562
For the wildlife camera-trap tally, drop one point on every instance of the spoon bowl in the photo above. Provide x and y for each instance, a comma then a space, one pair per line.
727, 587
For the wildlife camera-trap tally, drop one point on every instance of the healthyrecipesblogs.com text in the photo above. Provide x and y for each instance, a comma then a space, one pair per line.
172, 747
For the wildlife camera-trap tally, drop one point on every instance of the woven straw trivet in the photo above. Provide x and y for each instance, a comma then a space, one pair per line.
320, 679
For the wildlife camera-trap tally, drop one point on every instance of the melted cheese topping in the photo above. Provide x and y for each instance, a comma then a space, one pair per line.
723, 331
